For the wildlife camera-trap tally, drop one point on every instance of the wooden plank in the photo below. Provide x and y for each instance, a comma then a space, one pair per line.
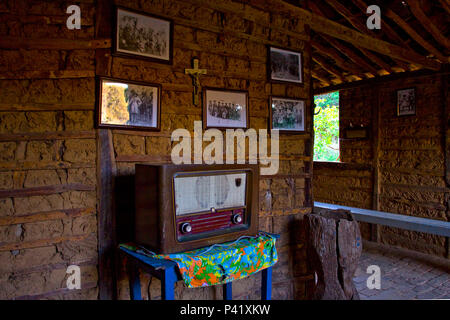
55, 135
415, 36
56, 74
327, 67
446, 5
427, 24
45, 190
360, 40
20, 165
86, 286
45, 216
437, 227
107, 243
376, 143
333, 54
47, 106
9, 42
378, 80
40, 243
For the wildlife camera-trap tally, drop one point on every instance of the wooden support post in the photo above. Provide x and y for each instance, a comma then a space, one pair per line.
446, 118
374, 228
106, 169
106, 218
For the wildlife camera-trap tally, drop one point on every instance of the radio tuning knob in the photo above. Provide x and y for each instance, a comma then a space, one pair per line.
237, 218
186, 227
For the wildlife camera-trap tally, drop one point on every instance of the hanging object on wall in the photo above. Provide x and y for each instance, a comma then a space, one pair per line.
125, 104
356, 133
141, 35
195, 73
285, 65
406, 102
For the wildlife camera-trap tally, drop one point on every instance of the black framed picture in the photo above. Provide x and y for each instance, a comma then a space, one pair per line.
224, 108
406, 102
124, 104
287, 115
285, 65
142, 35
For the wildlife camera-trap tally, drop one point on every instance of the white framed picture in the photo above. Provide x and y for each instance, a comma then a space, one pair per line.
143, 35
224, 108
287, 115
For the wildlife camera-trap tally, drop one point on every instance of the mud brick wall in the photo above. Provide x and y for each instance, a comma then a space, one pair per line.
405, 155
47, 152
49, 148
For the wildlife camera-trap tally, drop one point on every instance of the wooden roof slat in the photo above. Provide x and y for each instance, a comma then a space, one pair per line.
414, 35
327, 67
351, 54
355, 22
446, 5
340, 62
358, 39
321, 78
387, 30
428, 24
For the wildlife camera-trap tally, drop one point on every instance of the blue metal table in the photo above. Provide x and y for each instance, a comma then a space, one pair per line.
167, 272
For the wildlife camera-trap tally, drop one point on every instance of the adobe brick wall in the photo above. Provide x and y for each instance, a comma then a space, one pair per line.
410, 154
49, 147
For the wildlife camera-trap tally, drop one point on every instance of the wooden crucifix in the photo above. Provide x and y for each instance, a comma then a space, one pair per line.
195, 72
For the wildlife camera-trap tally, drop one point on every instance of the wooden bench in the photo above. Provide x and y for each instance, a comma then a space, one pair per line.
438, 227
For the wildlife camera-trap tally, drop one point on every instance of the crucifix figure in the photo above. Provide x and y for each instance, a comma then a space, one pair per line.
195, 72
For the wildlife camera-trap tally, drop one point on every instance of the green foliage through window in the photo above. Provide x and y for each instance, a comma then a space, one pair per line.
326, 127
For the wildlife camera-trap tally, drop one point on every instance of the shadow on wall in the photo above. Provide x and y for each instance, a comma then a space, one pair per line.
124, 208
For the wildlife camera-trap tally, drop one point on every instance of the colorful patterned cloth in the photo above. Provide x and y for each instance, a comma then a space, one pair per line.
222, 263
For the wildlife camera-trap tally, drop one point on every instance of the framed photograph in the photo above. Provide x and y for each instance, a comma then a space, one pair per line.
285, 65
142, 36
124, 104
406, 102
225, 108
287, 115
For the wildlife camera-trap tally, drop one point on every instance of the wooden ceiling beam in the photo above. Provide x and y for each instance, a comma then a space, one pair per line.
377, 60
340, 62
328, 27
327, 67
351, 55
358, 39
321, 78
415, 36
445, 5
428, 24
387, 30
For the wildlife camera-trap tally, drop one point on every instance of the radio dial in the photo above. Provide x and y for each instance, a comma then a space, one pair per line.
237, 218
186, 227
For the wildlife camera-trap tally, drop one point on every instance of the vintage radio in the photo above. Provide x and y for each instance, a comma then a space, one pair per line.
184, 207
